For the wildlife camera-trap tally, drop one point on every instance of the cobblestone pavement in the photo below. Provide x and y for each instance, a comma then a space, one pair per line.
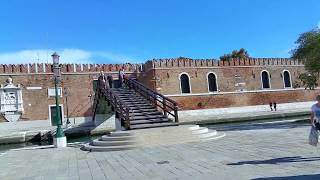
273, 151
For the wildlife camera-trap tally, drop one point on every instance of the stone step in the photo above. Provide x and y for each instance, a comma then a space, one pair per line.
141, 104
143, 108
136, 110
149, 121
91, 148
195, 127
127, 95
208, 134
116, 138
201, 130
154, 125
119, 133
137, 117
147, 113
97, 142
135, 101
121, 89
217, 136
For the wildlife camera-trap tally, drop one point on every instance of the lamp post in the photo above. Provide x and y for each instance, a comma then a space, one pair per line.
60, 139
66, 94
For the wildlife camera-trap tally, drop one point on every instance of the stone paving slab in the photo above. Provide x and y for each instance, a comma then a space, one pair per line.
256, 152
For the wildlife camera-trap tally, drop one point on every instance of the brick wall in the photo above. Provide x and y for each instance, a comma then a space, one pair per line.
160, 75
77, 78
191, 102
228, 74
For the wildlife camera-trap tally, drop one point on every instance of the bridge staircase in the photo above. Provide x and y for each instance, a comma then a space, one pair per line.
137, 106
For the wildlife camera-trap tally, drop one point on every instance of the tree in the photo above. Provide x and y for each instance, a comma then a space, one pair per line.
308, 80
241, 54
308, 50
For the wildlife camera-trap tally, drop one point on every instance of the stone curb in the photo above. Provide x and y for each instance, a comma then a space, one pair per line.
216, 120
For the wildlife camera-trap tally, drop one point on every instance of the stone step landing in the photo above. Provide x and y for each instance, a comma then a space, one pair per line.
125, 140
115, 141
204, 133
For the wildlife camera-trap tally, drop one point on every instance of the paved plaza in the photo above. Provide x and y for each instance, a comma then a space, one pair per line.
268, 151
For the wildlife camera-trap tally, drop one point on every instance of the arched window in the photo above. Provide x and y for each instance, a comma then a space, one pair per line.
212, 82
184, 83
286, 79
265, 79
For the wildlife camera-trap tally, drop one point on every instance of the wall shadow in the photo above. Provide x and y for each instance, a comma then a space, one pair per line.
262, 126
277, 160
299, 177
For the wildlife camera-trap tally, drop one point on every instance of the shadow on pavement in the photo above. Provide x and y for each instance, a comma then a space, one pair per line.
278, 160
299, 177
248, 126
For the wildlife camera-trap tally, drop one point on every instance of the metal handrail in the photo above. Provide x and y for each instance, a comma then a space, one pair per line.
122, 110
166, 104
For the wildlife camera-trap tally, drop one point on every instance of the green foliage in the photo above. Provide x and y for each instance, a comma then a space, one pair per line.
241, 54
296, 84
308, 50
308, 80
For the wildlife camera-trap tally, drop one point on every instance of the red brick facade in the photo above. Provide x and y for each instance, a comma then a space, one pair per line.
162, 76
166, 74
36, 79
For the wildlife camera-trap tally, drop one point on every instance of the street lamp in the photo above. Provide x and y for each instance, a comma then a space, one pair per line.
60, 139
66, 94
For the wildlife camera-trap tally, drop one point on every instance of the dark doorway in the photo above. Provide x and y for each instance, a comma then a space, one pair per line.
103, 106
286, 79
212, 81
185, 84
265, 80
54, 115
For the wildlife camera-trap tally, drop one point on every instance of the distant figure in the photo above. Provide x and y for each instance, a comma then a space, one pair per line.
270, 104
110, 80
275, 106
121, 76
315, 114
103, 78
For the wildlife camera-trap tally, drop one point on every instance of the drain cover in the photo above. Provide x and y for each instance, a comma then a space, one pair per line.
163, 162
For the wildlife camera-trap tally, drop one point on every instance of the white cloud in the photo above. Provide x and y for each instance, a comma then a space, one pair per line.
319, 24
109, 56
70, 55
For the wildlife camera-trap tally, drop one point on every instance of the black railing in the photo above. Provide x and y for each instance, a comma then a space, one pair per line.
168, 106
123, 112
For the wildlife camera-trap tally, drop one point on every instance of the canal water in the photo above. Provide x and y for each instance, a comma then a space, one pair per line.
299, 121
6, 147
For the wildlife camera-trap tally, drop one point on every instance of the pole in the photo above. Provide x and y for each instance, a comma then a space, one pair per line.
60, 139
59, 132
68, 122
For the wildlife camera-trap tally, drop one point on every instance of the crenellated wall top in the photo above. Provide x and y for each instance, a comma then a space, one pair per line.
151, 64
188, 62
67, 68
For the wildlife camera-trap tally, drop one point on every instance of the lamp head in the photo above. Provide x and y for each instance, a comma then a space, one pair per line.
55, 58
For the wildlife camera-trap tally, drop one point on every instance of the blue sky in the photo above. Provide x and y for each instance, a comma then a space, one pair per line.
115, 31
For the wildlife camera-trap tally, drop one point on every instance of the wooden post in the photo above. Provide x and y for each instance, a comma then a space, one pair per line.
127, 119
176, 113
164, 107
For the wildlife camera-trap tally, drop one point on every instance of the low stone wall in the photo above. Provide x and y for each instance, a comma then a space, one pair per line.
23, 131
294, 111
207, 101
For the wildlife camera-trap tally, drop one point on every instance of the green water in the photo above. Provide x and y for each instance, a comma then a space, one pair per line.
83, 139
260, 124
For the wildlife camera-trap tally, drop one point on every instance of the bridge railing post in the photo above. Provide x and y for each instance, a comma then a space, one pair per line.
176, 119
